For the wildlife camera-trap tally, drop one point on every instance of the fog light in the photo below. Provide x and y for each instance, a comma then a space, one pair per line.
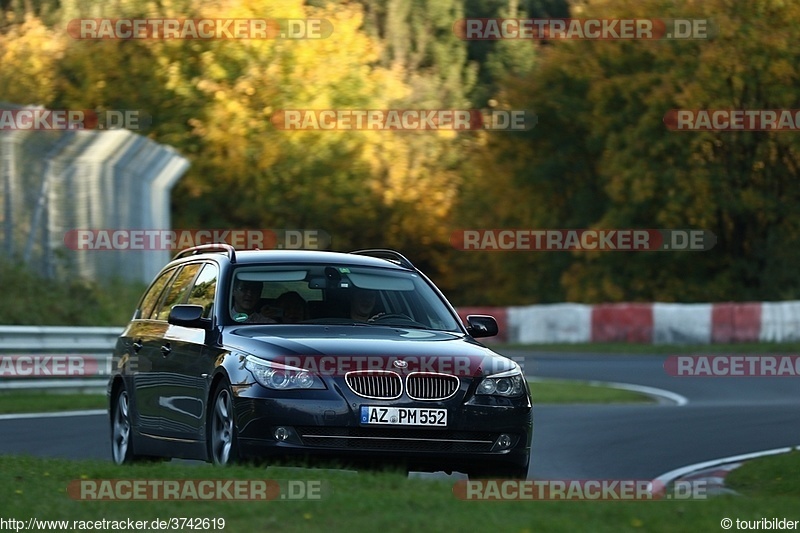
281, 434
504, 441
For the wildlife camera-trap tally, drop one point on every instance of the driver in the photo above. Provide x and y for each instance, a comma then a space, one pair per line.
362, 305
246, 299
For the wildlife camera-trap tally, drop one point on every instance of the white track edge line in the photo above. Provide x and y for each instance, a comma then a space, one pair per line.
62, 414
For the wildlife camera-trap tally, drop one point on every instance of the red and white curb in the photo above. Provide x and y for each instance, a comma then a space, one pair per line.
713, 473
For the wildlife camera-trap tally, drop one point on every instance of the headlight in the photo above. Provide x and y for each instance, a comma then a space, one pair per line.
282, 377
508, 384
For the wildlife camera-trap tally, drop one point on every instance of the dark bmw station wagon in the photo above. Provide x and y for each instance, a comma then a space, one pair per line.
355, 356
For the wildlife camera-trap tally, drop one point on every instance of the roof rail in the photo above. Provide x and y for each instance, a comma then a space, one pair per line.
390, 255
203, 248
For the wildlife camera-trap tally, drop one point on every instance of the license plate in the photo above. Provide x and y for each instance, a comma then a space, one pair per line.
403, 416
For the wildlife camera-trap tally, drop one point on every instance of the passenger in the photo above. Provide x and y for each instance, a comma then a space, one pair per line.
293, 306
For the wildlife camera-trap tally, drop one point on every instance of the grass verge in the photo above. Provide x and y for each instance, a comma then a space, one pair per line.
775, 475
546, 392
371, 501
46, 402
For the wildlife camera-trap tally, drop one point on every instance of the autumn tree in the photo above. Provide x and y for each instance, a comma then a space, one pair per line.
602, 157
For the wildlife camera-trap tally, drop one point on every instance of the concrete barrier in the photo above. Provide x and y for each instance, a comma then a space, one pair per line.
780, 322
681, 323
553, 323
736, 322
623, 322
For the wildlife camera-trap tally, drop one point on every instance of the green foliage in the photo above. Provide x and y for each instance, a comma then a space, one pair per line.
599, 157
31, 300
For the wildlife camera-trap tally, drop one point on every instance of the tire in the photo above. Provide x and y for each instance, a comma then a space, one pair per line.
121, 433
223, 439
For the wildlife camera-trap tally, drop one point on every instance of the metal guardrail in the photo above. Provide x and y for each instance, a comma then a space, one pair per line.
94, 385
56, 357
57, 339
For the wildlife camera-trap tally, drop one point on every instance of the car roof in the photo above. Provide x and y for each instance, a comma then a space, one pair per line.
250, 257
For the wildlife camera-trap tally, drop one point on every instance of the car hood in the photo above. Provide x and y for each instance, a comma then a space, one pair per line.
363, 347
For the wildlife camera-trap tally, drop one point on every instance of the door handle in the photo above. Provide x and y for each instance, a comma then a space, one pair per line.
166, 350
136, 346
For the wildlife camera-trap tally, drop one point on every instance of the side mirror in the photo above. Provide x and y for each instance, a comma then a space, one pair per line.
482, 326
189, 316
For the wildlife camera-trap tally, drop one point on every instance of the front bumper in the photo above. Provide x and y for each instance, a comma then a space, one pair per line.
323, 425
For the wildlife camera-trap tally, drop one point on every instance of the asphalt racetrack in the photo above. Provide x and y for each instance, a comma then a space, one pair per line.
723, 417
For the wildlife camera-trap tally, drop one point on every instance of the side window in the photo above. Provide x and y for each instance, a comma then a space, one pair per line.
203, 290
178, 291
153, 295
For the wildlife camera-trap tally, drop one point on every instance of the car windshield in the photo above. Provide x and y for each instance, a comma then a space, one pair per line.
336, 294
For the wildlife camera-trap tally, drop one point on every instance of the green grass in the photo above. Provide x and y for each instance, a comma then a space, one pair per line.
45, 402
775, 475
371, 501
578, 392
654, 349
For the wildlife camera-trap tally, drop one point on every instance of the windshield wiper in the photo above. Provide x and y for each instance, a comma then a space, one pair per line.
399, 325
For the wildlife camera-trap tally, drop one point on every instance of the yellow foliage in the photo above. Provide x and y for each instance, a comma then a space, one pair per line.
29, 55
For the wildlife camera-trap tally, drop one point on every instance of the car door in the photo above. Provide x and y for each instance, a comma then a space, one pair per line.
140, 342
160, 347
185, 369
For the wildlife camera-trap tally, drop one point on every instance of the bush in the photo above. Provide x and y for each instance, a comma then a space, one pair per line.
31, 300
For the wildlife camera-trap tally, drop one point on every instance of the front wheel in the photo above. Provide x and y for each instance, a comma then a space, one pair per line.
223, 443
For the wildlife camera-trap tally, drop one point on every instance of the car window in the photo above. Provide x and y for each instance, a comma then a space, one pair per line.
205, 285
153, 295
178, 290
342, 294
275, 290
